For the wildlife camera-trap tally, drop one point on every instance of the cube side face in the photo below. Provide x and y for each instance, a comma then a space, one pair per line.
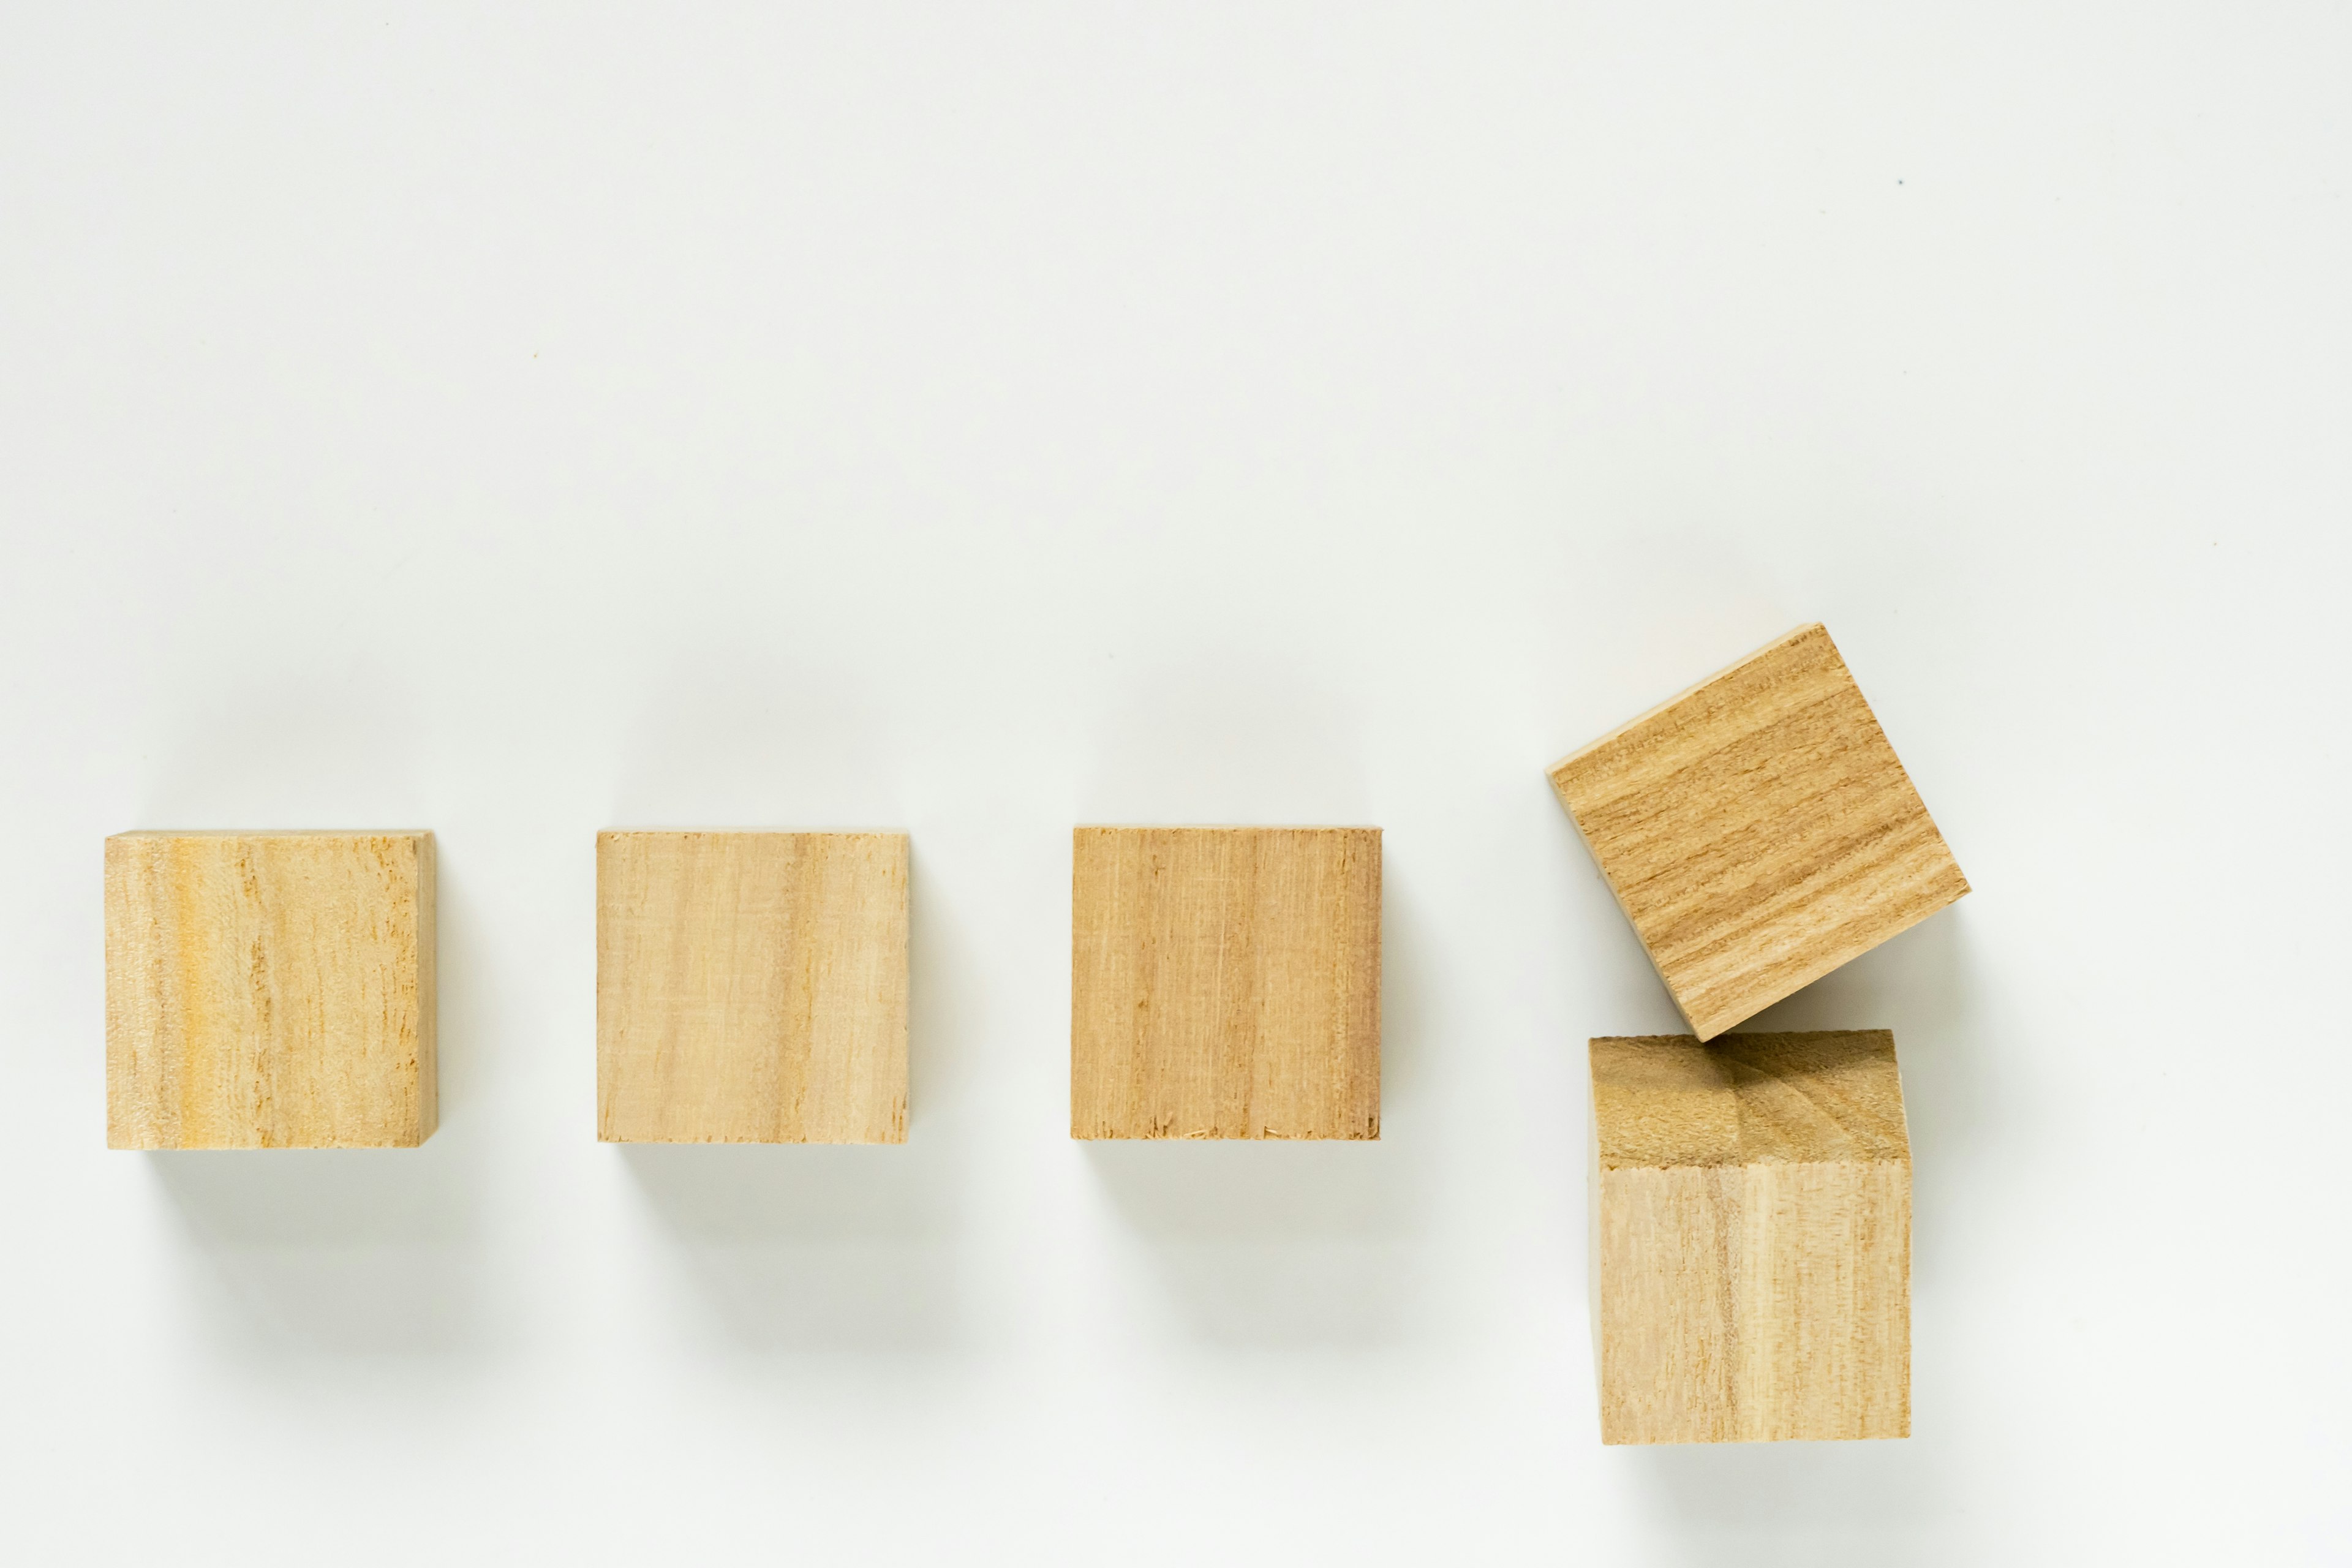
1668, 1298
751, 987
1759, 831
1225, 982
270, 991
1755, 1303
1823, 1286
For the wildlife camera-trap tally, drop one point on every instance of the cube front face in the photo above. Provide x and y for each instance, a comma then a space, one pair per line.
269, 990
1753, 1239
751, 987
1759, 831
1225, 982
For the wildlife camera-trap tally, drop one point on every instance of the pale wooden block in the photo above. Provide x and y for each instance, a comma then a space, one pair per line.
269, 990
751, 987
1759, 831
1751, 1239
1225, 982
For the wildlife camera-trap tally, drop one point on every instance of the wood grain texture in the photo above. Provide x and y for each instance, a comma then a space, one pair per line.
751, 987
269, 990
1759, 831
1752, 1238
1225, 982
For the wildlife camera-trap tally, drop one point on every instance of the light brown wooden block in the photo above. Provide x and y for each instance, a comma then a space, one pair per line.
1758, 831
269, 990
751, 987
1225, 982
1751, 1239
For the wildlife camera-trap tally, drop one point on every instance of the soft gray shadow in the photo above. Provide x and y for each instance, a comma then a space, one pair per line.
1293, 1244
1270, 1244
947, 996
1410, 1022
813, 1247
337, 1251
354, 1252
1807, 1505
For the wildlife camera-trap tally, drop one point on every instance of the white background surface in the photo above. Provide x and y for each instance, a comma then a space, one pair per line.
521, 424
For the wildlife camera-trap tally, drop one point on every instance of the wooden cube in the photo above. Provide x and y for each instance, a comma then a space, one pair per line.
1751, 1239
1225, 982
751, 987
269, 990
1758, 831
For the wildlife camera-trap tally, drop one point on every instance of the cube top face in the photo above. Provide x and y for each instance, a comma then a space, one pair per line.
751, 987
1792, 1098
1225, 982
269, 990
1752, 1238
1759, 831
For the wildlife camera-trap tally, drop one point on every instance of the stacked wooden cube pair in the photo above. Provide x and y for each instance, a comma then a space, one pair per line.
1752, 1197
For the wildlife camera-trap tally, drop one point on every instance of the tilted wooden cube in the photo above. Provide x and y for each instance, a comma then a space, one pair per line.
269, 990
1225, 982
751, 987
1751, 1239
1759, 831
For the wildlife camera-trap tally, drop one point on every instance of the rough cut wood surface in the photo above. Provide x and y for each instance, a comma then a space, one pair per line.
269, 990
1225, 982
1759, 831
1752, 1238
751, 987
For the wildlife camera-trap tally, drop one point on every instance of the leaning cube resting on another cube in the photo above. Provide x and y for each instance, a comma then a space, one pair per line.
1225, 982
269, 990
1759, 831
1752, 1238
751, 987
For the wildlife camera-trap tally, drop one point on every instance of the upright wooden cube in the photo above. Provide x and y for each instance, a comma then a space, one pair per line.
751, 987
1225, 982
1759, 831
1752, 1238
269, 990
